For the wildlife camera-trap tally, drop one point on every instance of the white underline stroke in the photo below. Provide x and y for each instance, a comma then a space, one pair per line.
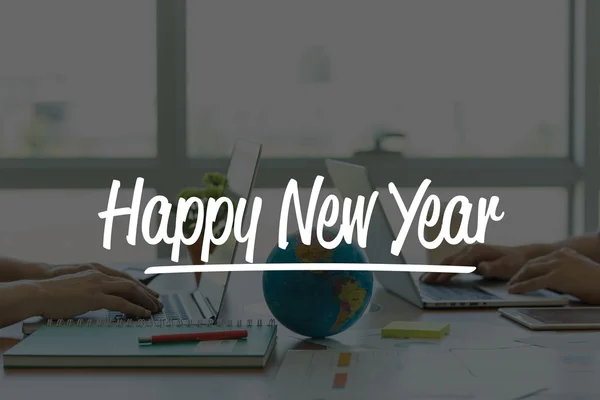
180, 269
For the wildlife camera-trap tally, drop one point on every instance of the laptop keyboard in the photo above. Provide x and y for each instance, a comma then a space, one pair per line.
439, 293
172, 310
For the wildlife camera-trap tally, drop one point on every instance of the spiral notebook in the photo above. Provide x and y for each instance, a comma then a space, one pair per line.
106, 344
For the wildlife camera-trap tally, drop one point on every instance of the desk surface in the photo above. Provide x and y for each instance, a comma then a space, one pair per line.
244, 300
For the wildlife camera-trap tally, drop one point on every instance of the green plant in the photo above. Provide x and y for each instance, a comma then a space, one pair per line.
216, 187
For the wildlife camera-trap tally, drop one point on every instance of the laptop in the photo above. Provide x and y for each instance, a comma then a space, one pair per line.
205, 303
464, 291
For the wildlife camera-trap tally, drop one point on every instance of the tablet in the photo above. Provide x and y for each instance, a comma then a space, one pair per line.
552, 318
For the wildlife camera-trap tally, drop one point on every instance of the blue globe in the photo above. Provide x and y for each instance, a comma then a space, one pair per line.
317, 303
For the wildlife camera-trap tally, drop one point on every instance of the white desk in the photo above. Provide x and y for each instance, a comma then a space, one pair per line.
245, 301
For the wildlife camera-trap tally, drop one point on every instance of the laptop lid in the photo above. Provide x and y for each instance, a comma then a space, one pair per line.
241, 174
351, 181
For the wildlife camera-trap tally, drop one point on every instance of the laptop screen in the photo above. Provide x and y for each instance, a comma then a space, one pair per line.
241, 174
353, 181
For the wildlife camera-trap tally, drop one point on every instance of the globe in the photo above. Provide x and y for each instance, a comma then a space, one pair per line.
317, 303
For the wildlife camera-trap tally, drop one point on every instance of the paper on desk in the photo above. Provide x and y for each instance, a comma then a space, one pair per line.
540, 366
565, 341
576, 391
512, 363
462, 336
12, 332
481, 329
578, 388
414, 374
563, 396
349, 340
480, 391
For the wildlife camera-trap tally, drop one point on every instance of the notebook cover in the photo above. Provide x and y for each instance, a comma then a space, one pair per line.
121, 344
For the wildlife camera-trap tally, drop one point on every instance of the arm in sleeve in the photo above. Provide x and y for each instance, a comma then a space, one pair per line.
15, 270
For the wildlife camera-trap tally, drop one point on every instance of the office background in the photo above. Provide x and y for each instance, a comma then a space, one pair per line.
484, 97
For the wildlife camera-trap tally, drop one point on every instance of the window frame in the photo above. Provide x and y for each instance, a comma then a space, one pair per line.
578, 173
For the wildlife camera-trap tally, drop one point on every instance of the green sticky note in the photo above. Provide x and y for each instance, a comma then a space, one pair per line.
415, 330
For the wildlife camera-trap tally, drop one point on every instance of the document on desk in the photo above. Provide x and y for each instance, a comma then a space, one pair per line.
564, 341
12, 332
332, 375
560, 370
563, 396
462, 336
514, 363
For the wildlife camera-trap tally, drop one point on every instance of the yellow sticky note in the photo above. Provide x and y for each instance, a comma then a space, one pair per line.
415, 330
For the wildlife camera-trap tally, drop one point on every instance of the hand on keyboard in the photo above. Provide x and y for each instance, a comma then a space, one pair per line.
70, 295
61, 270
173, 309
565, 271
500, 262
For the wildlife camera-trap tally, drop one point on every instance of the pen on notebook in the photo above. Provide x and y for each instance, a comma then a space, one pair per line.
194, 337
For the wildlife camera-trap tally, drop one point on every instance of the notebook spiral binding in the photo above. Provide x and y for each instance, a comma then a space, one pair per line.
155, 323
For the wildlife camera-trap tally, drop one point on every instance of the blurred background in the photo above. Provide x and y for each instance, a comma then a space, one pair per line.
484, 97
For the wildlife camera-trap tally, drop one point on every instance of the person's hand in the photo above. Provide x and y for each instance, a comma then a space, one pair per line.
499, 262
69, 295
564, 271
61, 270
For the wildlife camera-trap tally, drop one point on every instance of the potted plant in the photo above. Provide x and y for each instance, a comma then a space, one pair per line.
216, 186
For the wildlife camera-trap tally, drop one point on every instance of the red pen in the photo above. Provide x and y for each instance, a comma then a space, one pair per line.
194, 337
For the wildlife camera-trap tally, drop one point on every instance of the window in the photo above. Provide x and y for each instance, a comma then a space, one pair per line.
489, 96
461, 78
77, 78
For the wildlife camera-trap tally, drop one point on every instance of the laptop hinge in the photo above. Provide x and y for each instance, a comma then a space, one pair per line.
205, 308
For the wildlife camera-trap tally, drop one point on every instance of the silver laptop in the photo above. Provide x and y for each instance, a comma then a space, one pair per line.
206, 301
465, 291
